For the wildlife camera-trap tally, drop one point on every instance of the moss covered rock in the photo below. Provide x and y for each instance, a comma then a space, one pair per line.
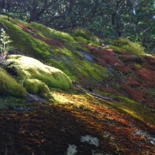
36, 40
37, 77
35, 86
9, 86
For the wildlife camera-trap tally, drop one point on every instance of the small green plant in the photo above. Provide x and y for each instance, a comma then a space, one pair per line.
4, 42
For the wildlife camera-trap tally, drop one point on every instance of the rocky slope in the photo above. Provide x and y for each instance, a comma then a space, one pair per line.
85, 99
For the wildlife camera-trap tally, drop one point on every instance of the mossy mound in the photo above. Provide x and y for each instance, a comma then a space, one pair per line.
36, 76
35, 86
9, 86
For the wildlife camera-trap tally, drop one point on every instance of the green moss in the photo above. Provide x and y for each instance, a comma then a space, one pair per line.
35, 86
68, 58
29, 68
82, 34
81, 39
17, 21
63, 51
67, 68
52, 33
67, 39
11, 102
25, 42
75, 68
92, 70
123, 44
9, 86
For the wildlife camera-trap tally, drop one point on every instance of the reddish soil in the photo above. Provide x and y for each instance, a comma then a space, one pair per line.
49, 128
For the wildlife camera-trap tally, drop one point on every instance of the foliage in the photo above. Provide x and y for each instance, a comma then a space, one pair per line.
9, 86
107, 19
4, 40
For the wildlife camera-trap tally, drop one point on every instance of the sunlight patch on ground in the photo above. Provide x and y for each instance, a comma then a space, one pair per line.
60, 98
75, 100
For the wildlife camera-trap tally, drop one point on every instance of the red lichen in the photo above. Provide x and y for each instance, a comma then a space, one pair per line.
54, 43
125, 62
135, 93
132, 81
148, 76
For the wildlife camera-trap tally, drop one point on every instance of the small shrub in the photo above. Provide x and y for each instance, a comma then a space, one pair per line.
4, 40
4, 43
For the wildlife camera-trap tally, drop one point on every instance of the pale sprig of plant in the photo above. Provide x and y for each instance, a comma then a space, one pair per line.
4, 40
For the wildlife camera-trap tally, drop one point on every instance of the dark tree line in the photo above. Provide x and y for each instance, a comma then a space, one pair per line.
106, 18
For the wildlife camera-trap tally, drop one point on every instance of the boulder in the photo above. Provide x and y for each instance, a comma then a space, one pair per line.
37, 77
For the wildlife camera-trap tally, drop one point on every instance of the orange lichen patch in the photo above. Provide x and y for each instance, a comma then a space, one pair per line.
147, 75
54, 43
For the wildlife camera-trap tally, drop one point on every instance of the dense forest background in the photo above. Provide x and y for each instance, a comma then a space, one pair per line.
108, 19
